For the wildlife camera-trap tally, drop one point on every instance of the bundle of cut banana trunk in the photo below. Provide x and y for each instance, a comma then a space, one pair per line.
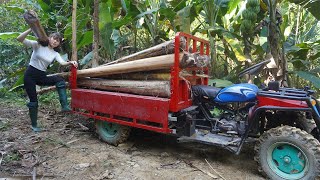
145, 73
33, 21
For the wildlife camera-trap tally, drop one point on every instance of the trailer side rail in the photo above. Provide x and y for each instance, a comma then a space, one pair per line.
180, 87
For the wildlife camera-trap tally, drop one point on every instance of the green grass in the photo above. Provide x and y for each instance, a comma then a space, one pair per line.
4, 126
55, 141
20, 99
15, 98
12, 156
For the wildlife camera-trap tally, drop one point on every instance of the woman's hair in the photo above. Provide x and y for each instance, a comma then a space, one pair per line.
56, 36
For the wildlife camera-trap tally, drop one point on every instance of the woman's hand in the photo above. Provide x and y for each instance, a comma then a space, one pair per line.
74, 63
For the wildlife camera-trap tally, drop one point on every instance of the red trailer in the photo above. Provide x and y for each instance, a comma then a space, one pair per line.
115, 111
286, 120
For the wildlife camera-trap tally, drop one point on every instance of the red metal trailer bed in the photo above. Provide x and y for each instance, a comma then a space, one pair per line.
139, 111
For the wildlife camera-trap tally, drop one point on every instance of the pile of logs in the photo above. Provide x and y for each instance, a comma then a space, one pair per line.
145, 73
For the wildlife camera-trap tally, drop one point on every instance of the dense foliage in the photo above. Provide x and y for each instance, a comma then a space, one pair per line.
240, 32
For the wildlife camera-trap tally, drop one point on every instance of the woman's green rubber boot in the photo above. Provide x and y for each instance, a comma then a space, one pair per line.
33, 113
61, 88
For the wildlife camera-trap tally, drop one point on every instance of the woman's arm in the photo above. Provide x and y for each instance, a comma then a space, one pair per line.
65, 63
74, 63
23, 35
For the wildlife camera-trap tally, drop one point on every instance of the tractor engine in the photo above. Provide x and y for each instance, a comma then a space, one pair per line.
231, 124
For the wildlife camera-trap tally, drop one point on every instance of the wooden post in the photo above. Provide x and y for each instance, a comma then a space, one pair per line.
74, 56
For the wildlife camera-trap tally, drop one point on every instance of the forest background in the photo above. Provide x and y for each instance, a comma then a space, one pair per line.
241, 33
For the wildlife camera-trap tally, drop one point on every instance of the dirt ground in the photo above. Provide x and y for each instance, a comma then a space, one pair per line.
70, 149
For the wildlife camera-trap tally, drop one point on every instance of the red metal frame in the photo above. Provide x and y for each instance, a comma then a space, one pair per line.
180, 87
145, 112
283, 103
126, 109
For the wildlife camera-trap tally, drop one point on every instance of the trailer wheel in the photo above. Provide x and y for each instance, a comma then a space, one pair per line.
288, 153
112, 133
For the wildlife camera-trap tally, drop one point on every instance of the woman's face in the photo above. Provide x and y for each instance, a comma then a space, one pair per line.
53, 42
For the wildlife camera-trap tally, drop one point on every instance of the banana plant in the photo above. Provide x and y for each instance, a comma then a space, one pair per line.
305, 62
311, 6
12, 57
178, 15
222, 25
281, 36
213, 10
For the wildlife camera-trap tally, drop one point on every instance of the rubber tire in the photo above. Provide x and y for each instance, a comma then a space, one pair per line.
308, 125
306, 142
300, 121
121, 135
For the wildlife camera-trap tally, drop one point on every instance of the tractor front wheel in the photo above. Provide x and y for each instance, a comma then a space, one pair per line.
306, 124
112, 133
288, 153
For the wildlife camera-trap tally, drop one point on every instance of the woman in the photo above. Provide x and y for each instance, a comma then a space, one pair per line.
44, 53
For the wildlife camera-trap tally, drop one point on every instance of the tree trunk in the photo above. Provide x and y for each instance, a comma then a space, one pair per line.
147, 64
148, 88
274, 39
32, 20
150, 75
95, 59
74, 56
213, 62
164, 62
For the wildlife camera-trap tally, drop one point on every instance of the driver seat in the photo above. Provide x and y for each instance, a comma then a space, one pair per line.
205, 93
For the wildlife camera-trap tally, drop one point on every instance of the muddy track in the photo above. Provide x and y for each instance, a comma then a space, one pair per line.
69, 149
